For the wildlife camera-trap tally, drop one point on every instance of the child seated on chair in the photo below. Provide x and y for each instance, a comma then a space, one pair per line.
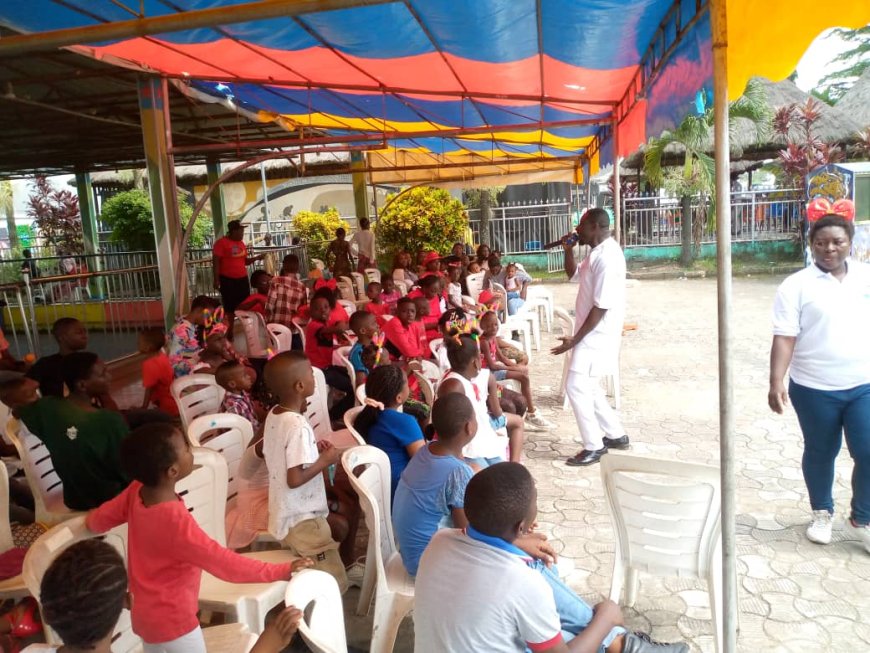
300, 514
365, 327
503, 368
184, 343
403, 333
216, 351
423, 308
432, 292
454, 288
376, 304
256, 301
430, 493
319, 347
235, 378
498, 554
71, 336
466, 377
167, 548
451, 322
390, 294
157, 375
382, 425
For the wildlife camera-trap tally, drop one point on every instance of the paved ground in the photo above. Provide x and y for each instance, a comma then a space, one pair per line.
794, 595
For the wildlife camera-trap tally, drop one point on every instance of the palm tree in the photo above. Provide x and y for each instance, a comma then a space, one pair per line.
698, 172
8, 205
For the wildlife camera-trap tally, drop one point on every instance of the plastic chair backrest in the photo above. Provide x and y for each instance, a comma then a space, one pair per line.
257, 337
666, 513
44, 483
434, 344
565, 321
316, 594
360, 393
195, 395
360, 283
348, 306
373, 487
6, 542
373, 275
50, 545
317, 411
474, 283
342, 354
298, 328
431, 371
345, 286
426, 387
228, 434
204, 492
283, 336
349, 418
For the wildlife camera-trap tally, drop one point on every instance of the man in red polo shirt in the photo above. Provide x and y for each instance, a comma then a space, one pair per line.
231, 261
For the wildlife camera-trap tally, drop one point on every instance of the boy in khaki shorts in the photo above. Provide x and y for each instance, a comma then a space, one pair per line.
299, 515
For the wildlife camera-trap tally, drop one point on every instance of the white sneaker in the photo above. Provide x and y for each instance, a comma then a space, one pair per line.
355, 573
860, 533
538, 422
819, 530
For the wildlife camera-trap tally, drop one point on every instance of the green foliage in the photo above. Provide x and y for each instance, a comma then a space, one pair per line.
55, 214
128, 214
857, 59
317, 229
422, 218
475, 197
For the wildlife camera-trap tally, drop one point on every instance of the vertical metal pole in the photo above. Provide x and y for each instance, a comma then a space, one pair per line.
87, 209
617, 189
718, 15
156, 135
360, 199
265, 197
588, 185
216, 200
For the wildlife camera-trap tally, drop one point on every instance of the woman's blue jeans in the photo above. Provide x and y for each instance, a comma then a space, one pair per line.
824, 416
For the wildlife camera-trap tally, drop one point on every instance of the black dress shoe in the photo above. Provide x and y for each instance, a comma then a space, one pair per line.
616, 443
586, 458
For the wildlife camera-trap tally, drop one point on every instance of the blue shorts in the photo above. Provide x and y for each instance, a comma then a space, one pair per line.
500, 375
483, 463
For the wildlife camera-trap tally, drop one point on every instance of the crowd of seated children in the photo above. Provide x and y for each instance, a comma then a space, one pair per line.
157, 374
321, 337
301, 515
85, 589
71, 336
466, 377
535, 610
256, 301
184, 339
381, 424
83, 440
286, 293
167, 549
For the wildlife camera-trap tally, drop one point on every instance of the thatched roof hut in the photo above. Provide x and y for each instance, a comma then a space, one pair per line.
856, 102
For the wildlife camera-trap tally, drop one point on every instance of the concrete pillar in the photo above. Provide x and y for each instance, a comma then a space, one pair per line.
360, 197
156, 135
87, 209
216, 201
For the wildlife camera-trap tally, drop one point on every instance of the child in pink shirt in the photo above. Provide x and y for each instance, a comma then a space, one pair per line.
167, 550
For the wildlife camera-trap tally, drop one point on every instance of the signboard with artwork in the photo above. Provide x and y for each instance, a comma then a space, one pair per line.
843, 188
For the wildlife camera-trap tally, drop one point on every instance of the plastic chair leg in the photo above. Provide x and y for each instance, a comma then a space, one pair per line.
390, 609
370, 577
630, 586
617, 579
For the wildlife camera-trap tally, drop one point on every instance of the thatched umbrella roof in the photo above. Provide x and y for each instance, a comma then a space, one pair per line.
856, 102
834, 126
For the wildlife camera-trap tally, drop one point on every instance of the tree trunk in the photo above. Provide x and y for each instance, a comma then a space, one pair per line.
686, 232
485, 215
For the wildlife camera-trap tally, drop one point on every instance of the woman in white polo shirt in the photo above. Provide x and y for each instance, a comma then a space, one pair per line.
821, 322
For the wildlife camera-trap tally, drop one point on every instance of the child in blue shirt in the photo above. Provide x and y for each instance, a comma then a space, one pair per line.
382, 425
431, 492
365, 327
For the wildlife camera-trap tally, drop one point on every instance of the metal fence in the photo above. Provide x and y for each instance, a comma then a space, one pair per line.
524, 228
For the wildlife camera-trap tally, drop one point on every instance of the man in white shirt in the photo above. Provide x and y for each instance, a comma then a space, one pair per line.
599, 314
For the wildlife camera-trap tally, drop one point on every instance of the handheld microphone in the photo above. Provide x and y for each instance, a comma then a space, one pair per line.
572, 240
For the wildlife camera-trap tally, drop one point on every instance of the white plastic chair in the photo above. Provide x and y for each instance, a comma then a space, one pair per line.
228, 434
254, 338
349, 418
228, 638
204, 492
434, 344
394, 588
666, 516
373, 275
195, 395
611, 383
348, 306
543, 297
426, 387
359, 282
506, 330
360, 393
282, 335
317, 595
44, 483
346, 288
431, 371
474, 283
341, 354
14, 587
317, 414
299, 329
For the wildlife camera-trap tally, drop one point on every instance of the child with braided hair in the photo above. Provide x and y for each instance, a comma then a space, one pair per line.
184, 343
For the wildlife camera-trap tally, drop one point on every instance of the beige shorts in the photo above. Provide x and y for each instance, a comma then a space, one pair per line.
312, 538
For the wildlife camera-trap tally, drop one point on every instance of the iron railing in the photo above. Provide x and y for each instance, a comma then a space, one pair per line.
524, 228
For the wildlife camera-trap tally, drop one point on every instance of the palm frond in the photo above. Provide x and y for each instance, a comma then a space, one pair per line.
652, 157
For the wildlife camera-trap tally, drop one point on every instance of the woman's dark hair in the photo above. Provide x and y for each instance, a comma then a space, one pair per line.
498, 498
832, 220
83, 591
382, 384
147, 452
204, 302
460, 354
328, 294
154, 337
77, 367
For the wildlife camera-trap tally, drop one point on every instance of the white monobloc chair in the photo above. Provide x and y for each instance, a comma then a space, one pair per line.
282, 335
349, 418
255, 338
44, 483
359, 282
360, 394
393, 587
373, 275
543, 299
298, 328
195, 395
347, 305
426, 387
341, 354
667, 518
611, 382
346, 289
474, 283
317, 595
230, 638
14, 587
317, 414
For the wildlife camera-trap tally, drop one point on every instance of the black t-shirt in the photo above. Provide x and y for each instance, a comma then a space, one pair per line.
48, 371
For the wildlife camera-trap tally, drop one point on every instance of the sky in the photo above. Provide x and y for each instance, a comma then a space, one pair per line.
814, 64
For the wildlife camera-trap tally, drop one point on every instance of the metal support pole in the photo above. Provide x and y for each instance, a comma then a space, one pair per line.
216, 199
156, 135
718, 15
265, 198
588, 185
87, 210
360, 198
617, 190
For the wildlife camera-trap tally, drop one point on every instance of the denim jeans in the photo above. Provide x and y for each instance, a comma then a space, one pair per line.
514, 302
574, 613
824, 416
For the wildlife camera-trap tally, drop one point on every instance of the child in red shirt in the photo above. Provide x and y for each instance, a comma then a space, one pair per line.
376, 305
157, 374
403, 333
390, 294
166, 547
256, 301
320, 336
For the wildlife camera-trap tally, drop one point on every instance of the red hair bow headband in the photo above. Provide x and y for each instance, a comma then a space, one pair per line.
821, 207
332, 284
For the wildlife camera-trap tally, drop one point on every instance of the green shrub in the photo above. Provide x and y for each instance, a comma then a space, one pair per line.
317, 229
128, 214
423, 218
